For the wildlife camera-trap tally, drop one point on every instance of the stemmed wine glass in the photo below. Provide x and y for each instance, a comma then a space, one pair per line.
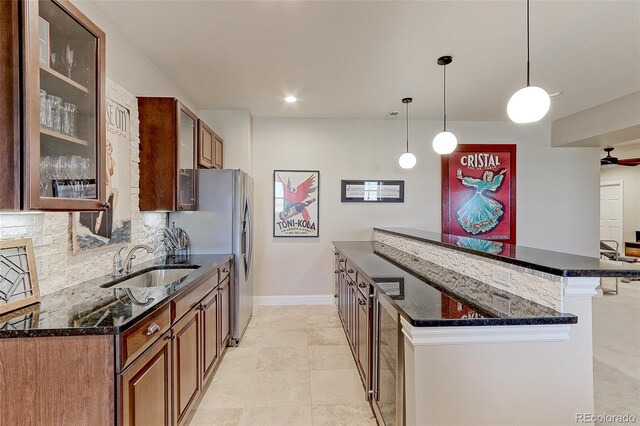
67, 59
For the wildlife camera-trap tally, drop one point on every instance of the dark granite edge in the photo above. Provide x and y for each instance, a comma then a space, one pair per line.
563, 272
563, 319
195, 277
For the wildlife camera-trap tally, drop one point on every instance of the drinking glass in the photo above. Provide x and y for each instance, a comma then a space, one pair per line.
46, 167
67, 59
54, 120
74, 166
69, 114
43, 108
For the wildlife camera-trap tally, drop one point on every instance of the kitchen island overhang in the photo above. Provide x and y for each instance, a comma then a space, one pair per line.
523, 351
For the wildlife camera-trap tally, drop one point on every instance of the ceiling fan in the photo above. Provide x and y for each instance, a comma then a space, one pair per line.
611, 160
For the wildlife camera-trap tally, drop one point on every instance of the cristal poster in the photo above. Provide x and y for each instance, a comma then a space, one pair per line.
478, 192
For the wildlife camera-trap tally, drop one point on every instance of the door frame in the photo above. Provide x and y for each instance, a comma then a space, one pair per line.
618, 183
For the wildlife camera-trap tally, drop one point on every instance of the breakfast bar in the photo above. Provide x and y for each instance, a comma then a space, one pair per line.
473, 329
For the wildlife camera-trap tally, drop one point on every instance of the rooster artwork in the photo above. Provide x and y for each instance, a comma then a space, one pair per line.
296, 204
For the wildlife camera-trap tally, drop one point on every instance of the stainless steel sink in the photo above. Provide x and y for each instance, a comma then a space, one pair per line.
154, 278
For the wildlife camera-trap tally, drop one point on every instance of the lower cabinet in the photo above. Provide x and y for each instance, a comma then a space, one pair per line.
356, 311
224, 295
161, 385
210, 349
146, 387
186, 356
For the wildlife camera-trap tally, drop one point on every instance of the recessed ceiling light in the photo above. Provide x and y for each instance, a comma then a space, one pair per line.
290, 99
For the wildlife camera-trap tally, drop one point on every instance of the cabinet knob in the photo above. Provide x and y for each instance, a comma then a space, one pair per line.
180, 207
362, 285
336, 271
362, 302
350, 271
335, 295
106, 205
153, 328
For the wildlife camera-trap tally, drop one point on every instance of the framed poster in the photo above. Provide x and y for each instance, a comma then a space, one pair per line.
295, 203
479, 192
372, 191
91, 230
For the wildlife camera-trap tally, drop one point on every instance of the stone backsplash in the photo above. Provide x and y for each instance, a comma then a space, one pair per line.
536, 286
56, 265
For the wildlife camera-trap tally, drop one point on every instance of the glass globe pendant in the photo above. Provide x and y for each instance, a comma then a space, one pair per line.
407, 160
531, 103
445, 142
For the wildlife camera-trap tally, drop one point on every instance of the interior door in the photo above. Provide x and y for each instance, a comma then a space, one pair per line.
611, 209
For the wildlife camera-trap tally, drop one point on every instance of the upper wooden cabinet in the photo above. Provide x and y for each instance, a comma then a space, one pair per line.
210, 147
59, 132
168, 150
219, 152
206, 146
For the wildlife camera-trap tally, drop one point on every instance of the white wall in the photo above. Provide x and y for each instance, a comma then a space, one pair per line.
235, 128
129, 66
631, 178
557, 202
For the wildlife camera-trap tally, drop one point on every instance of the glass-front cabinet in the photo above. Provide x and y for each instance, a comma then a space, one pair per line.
187, 143
64, 94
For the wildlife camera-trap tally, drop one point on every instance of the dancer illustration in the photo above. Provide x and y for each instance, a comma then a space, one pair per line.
480, 213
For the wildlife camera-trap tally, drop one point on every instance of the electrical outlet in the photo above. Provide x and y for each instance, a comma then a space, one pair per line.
501, 277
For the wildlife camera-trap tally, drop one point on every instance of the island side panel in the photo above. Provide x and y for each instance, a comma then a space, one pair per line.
57, 380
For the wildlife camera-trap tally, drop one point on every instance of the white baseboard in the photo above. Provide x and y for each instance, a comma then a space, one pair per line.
311, 299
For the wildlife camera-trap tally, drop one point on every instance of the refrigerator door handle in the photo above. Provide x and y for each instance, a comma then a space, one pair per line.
249, 235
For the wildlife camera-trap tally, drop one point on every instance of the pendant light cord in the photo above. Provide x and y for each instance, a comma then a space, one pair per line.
444, 97
528, 63
407, 126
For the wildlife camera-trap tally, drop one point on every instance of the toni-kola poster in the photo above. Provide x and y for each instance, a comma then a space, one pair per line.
295, 203
479, 192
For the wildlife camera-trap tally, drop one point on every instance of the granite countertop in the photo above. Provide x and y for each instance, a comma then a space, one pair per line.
441, 297
89, 309
551, 262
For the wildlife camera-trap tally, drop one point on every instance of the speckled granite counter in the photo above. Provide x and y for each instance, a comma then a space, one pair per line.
437, 296
89, 309
551, 262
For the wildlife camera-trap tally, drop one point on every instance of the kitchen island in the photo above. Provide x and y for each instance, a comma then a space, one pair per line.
111, 350
500, 336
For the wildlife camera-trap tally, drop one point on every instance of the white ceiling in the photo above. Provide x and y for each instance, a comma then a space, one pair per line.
359, 59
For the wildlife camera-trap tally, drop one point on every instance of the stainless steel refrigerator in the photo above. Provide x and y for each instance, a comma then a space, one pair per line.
224, 224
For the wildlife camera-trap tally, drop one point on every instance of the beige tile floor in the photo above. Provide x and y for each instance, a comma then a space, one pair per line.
293, 367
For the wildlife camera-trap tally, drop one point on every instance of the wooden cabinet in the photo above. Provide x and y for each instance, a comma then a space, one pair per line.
168, 150
356, 312
218, 162
186, 370
363, 337
225, 312
206, 146
210, 340
53, 144
146, 387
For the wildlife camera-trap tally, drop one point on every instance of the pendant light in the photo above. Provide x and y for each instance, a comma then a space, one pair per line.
531, 103
407, 160
444, 142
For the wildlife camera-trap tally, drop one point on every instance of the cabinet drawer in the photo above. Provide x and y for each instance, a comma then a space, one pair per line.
351, 271
224, 271
137, 339
182, 305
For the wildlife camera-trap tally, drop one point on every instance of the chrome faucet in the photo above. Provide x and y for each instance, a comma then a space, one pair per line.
124, 266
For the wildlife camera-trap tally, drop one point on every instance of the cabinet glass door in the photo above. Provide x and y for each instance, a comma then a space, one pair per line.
64, 83
187, 139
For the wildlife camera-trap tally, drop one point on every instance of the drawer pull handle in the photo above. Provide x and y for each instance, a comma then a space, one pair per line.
362, 285
350, 271
362, 302
153, 328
